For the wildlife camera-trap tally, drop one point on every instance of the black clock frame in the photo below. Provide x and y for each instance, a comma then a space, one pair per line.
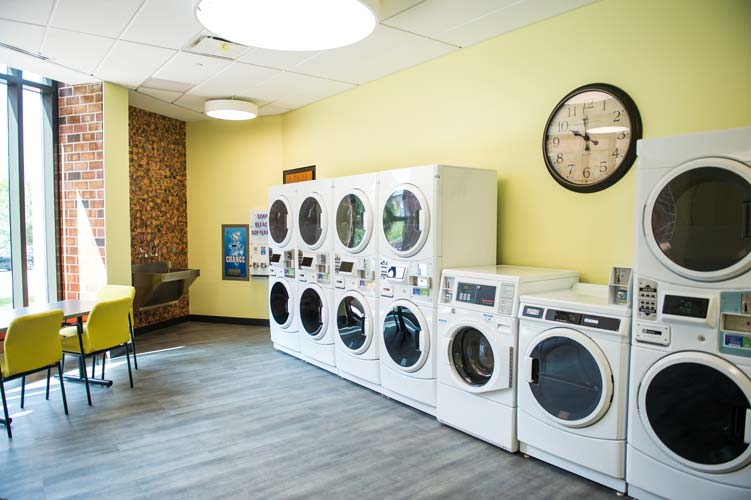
630, 156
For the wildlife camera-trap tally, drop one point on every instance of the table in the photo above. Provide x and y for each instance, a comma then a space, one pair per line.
71, 309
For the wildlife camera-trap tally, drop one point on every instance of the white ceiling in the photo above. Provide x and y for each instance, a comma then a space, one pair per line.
146, 46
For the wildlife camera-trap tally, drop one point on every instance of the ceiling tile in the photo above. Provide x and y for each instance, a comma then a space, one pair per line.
103, 17
436, 16
390, 8
148, 103
24, 62
75, 50
291, 90
23, 36
386, 51
193, 102
118, 66
157, 83
239, 80
166, 23
279, 59
191, 68
164, 95
510, 18
271, 109
28, 11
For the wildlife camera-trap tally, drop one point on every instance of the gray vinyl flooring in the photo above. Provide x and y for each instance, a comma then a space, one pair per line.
218, 413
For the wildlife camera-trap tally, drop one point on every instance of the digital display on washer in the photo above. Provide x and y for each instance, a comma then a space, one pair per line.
346, 267
691, 307
471, 293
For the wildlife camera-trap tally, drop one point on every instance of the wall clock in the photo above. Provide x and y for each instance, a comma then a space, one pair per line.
590, 138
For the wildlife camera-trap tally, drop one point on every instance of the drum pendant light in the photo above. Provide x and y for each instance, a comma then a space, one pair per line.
230, 109
295, 25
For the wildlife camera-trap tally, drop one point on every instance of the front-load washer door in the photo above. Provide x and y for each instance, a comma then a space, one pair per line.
479, 363
406, 336
313, 312
698, 219
312, 221
354, 221
354, 323
569, 377
697, 408
280, 228
406, 220
280, 304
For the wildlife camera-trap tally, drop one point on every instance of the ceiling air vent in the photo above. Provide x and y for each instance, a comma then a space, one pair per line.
217, 47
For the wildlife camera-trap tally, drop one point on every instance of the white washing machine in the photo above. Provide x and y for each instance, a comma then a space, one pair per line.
477, 344
315, 230
282, 315
573, 381
282, 256
317, 325
355, 244
355, 339
432, 217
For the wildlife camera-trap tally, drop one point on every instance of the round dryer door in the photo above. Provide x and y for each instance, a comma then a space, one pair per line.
279, 227
279, 304
312, 221
697, 408
698, 219
406, 220
406, 336
354, 323
354, 221
472, 356
569, 377
313, 312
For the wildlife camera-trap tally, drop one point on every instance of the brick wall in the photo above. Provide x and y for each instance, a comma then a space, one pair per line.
82, 251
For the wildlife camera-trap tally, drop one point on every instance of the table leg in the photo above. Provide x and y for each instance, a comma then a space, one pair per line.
79, 328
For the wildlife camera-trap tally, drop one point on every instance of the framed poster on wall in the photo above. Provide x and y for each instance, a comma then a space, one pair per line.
301, 174
235, 252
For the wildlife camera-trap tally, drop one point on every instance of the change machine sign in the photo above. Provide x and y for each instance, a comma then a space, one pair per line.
235, 252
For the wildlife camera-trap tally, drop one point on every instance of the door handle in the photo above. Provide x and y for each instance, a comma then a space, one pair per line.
747, 219
421, 220
534, 371
747, 430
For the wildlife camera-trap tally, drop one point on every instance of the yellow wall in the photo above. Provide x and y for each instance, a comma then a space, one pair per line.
230, 166
116, 184
687, 64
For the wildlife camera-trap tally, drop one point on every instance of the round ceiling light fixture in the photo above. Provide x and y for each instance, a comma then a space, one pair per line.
230, 109
295, 25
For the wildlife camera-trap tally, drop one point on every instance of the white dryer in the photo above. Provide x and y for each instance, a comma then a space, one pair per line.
477, 344
432, 217
355, 339
573, 380
407, 346
315, 229
317, 325
282, 316
355, 244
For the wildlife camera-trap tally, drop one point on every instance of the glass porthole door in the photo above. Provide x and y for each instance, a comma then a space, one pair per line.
698, 219
354, 323
279, 221
406, 220
279, 304
354, 221
480, 360
313, 317
569, 377
312, 221
405, 336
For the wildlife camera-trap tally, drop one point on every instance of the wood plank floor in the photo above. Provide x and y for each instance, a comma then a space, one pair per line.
218, 413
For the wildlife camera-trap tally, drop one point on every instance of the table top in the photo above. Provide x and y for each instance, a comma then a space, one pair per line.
70, 308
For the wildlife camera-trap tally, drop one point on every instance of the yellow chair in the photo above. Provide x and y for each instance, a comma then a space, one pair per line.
31, 345
106, 328
110, 292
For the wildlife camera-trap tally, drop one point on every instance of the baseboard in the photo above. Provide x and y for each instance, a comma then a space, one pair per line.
162, 324
229, 320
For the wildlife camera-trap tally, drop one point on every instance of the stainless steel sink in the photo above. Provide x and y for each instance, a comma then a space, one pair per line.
158, 285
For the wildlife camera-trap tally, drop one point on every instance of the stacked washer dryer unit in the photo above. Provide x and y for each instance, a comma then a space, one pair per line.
355, 306
477, 346
315, 275
430, 217
689, 430
573, 381
282, 257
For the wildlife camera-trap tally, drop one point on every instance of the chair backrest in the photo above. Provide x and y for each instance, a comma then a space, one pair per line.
108, 324
110, 292
33, 342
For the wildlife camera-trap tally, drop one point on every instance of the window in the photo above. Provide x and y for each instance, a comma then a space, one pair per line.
28, 264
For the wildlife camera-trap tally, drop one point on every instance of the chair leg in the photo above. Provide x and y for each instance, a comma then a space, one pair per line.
93, 366
62, 385
86, 377
23, 390
104, 357
133, 342
130, 373
47, 394
5, 408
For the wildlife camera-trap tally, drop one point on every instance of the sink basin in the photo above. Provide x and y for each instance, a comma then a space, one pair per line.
159, 285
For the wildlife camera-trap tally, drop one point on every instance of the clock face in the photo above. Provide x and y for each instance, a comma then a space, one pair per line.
590, 138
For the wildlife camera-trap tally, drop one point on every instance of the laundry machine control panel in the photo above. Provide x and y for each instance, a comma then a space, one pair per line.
647, 297
735, 323
355, 272
495, 297
313, 267
403, 279
282, 264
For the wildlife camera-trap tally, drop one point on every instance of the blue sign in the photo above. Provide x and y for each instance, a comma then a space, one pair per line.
235, 252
